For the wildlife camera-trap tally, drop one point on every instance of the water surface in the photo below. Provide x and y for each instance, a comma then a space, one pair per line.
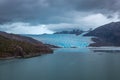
64, 64
81, 63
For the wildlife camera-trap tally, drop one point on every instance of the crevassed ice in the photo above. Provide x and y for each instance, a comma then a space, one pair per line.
64, 40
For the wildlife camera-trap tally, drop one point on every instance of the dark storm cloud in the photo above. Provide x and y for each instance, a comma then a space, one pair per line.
44, 11
87, 5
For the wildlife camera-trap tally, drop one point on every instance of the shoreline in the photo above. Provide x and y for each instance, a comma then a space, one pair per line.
94, 49
7, 58
25, 56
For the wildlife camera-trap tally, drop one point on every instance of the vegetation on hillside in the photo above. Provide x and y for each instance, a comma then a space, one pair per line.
8, 47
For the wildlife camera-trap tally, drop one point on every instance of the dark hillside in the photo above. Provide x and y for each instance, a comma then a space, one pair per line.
108, 35
16, 45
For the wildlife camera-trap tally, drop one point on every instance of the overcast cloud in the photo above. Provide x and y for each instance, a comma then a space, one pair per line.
48, 16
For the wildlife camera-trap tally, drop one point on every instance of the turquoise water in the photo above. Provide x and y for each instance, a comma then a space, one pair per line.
63, 64
80, 63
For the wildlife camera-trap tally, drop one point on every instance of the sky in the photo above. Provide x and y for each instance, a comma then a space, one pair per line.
49, 16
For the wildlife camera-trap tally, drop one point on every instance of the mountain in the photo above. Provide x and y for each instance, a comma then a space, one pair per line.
107, 35
12, 45
75, 31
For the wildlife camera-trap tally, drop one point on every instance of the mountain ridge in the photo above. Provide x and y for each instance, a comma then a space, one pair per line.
106, 35
74, 31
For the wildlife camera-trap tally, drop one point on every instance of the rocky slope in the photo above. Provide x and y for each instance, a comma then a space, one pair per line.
75, 31
107, 35
12, 45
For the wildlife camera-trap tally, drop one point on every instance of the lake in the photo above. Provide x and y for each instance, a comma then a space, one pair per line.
64, 64
81, 63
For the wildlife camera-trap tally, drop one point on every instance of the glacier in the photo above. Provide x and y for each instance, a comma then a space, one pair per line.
64, 40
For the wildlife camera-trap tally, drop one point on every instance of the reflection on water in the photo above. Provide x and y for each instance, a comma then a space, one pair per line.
106, 49
64, 64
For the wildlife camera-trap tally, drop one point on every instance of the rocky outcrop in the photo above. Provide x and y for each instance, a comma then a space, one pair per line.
75, 31
106, 35
52, 46
18, 51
